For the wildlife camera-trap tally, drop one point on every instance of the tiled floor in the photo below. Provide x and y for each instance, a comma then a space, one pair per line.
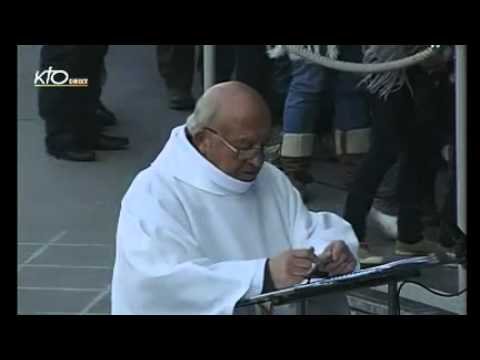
67, 212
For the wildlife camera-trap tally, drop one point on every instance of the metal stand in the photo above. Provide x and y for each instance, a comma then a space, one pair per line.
393, 299
208, 66
303, 307
461, 150
300, 296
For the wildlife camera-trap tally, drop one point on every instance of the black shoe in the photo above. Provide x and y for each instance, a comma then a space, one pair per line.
73, 155
106, 142
105, 116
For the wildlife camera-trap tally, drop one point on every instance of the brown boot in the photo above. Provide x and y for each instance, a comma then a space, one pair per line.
296, 159
297, 170
274, 146
351, 148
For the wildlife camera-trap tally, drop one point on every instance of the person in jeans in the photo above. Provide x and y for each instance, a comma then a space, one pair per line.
312, 90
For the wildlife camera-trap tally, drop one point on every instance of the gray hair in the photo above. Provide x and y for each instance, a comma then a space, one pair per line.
203, 115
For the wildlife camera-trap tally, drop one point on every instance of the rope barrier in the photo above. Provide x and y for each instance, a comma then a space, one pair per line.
338, 65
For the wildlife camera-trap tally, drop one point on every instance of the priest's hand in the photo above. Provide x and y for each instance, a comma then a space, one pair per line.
291, 267
337, 259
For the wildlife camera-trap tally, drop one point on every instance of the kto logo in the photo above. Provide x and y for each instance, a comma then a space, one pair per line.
57, 78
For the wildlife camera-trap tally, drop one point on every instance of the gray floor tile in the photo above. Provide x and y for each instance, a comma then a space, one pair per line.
34, 234
102, 307
105, 235
34, 301
28, 61
64, 278
324, 198
25, 251
65, 255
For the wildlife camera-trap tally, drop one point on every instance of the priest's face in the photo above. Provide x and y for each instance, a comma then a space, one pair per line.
236, 147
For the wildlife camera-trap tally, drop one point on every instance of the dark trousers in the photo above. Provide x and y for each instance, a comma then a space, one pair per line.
409, 129
176, 64
69, 112
254, 68
448, 213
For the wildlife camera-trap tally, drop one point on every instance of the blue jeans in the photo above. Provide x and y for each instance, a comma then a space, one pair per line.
315, 92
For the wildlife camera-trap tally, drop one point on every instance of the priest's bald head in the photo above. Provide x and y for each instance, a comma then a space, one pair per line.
230, 126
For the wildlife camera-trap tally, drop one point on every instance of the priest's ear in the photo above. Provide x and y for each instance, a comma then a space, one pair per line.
202, 141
